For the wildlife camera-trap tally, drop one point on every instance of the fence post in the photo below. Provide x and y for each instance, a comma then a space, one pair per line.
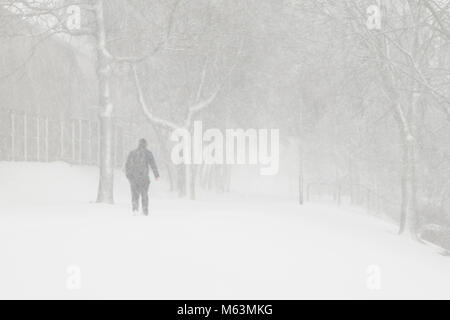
61, 139
89, 137
38, 139
377, 198
73, 142
116, 135
338, 194
80, 141
99, 143
25, 137
13, 139
47, 143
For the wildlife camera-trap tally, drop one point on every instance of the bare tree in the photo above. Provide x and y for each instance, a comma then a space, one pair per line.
50, 17
201, 102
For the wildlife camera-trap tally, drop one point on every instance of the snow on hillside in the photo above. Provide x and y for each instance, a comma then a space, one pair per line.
229, 247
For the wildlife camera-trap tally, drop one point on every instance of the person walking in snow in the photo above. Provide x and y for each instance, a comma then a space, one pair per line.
137, 172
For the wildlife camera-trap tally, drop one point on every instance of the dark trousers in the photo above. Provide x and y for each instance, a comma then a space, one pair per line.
139, 190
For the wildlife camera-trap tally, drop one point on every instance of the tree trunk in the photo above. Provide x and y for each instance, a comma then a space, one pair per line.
188, 181
192, 195
408, 220
106, 183
404, 191
181, 180
165, 154
170, 176
190, 175
227, 172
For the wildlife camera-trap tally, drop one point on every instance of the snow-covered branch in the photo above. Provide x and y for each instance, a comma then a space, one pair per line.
146, 108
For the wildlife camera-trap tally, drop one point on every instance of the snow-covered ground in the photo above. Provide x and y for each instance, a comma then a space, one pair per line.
53, 236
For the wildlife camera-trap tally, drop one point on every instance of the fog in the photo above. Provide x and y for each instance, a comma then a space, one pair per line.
295, 109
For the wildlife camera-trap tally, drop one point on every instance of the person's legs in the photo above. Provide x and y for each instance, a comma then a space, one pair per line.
134, 195
144, 194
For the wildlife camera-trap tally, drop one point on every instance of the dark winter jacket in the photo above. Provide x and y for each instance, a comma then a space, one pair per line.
138, 163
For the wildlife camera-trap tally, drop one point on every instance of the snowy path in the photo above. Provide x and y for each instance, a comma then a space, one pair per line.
224, 249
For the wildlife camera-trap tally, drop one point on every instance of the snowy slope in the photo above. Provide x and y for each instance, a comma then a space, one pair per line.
230, 247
